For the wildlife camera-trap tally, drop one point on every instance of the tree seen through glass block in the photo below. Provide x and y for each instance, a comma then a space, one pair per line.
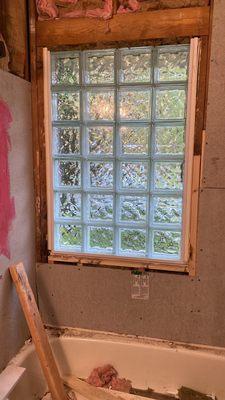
134, 140
66, 140
133, 208
135, 67
100, 68
133, 241
100, 140
135, 104
168, 175
170, 104
70, 235
169, 139
167, 243
66, 70
66, 106
134, 175
68, 205
167, 210
100, 207
100, 105
100, 238
101, 174
172, 66
69, 173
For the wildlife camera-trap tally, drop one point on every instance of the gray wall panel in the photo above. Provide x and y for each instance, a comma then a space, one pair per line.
17, 94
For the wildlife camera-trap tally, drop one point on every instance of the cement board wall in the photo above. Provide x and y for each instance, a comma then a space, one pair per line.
17, 94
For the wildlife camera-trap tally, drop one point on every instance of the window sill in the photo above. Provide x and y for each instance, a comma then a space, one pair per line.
120, 262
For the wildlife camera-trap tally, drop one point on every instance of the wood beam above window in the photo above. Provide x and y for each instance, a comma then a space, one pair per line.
184, 22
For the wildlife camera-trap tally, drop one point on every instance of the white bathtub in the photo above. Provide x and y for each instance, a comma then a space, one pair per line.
156, 364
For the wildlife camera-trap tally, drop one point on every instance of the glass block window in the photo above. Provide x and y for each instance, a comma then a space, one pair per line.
118, 140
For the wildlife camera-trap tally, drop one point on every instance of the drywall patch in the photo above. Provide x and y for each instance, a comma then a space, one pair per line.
7, 205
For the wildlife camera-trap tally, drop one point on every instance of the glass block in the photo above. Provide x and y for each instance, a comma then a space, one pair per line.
169, 140
133, 241
70, 235
167, 210
135, 67
168, 175
69, 173
101, 174
66, 140
66, 70
166, 242
135, 104
100, 68
100, 105
134, 140
100, 238
100, 207
100, 140
66, 106
134, 175
172, 66
170, 104
133, 208
68, 205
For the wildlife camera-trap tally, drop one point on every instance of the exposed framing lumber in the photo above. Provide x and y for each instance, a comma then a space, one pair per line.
39, 336
117, 261
184, 22
194, 215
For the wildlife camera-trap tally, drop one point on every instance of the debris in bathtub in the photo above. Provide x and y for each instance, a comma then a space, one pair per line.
107, 376
70, 396
186, 393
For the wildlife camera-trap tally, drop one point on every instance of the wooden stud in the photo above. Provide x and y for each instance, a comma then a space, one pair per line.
189, 147
37, 331
194, 216
48, 146
172, 23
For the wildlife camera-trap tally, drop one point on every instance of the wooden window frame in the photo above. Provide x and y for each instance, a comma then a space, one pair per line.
183, 24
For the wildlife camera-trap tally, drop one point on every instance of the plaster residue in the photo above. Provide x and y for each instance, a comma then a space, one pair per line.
7, 208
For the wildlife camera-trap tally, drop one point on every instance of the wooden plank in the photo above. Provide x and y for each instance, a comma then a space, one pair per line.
189, 145
37, 331
48, 146
88, 391
42, 154
35, 131
117, 261
8, 380
201, 94
194, 215
184, 22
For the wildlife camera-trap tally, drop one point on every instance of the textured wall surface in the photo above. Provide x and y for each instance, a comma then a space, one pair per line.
179, 308
17, 94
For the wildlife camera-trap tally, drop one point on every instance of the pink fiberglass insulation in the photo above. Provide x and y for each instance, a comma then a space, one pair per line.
107, 377
127, 6
105, 13
47, 8
7, 208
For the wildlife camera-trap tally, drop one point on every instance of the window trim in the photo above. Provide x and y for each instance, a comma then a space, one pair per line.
190, 196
